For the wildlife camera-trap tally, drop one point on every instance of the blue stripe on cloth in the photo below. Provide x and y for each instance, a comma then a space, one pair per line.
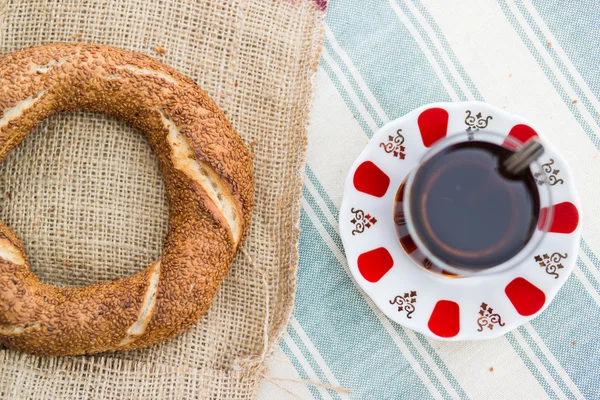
346, 72
586, 271
395, 69
303, 375
441, 364
543, 40
310, 175
442, 38
530, 365
593, 258
550, 75
350, 104
398, 329
310, 359
331, 230
344, 329
573, 317
432, 49
545, 362
575, 26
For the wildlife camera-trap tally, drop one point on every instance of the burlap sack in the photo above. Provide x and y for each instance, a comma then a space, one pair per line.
85, 194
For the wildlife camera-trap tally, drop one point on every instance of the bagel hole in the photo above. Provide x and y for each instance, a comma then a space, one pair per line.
84, 193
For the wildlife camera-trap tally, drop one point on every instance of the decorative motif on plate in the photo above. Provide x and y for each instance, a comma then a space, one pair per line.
361, 221
427, 264
399, 218
488, 318
551, 263
406, 303
551, 175
394, 145
475, 123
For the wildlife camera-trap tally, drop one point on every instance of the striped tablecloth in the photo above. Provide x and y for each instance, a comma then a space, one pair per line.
381, 59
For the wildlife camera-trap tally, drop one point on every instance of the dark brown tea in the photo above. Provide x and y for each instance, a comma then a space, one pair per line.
467, 211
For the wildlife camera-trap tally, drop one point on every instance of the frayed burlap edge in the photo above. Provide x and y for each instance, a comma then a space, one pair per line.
274, 336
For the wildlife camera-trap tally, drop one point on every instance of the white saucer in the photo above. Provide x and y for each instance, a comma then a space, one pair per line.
470, 308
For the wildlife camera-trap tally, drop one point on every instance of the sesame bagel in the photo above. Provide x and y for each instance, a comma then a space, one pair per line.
208, 176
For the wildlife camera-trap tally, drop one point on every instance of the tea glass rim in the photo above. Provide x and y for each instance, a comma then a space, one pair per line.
543, 190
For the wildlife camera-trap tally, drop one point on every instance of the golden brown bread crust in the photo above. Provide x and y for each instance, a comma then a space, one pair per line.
207, 171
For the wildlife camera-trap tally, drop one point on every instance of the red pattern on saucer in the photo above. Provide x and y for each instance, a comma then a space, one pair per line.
374, 264
525, 296
521, 133
433, 125
565, 218
369, 179
445, 319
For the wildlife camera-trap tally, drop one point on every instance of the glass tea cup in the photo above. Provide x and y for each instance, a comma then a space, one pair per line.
459, 214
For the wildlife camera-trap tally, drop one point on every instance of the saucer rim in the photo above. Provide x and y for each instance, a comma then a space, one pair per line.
550, 290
